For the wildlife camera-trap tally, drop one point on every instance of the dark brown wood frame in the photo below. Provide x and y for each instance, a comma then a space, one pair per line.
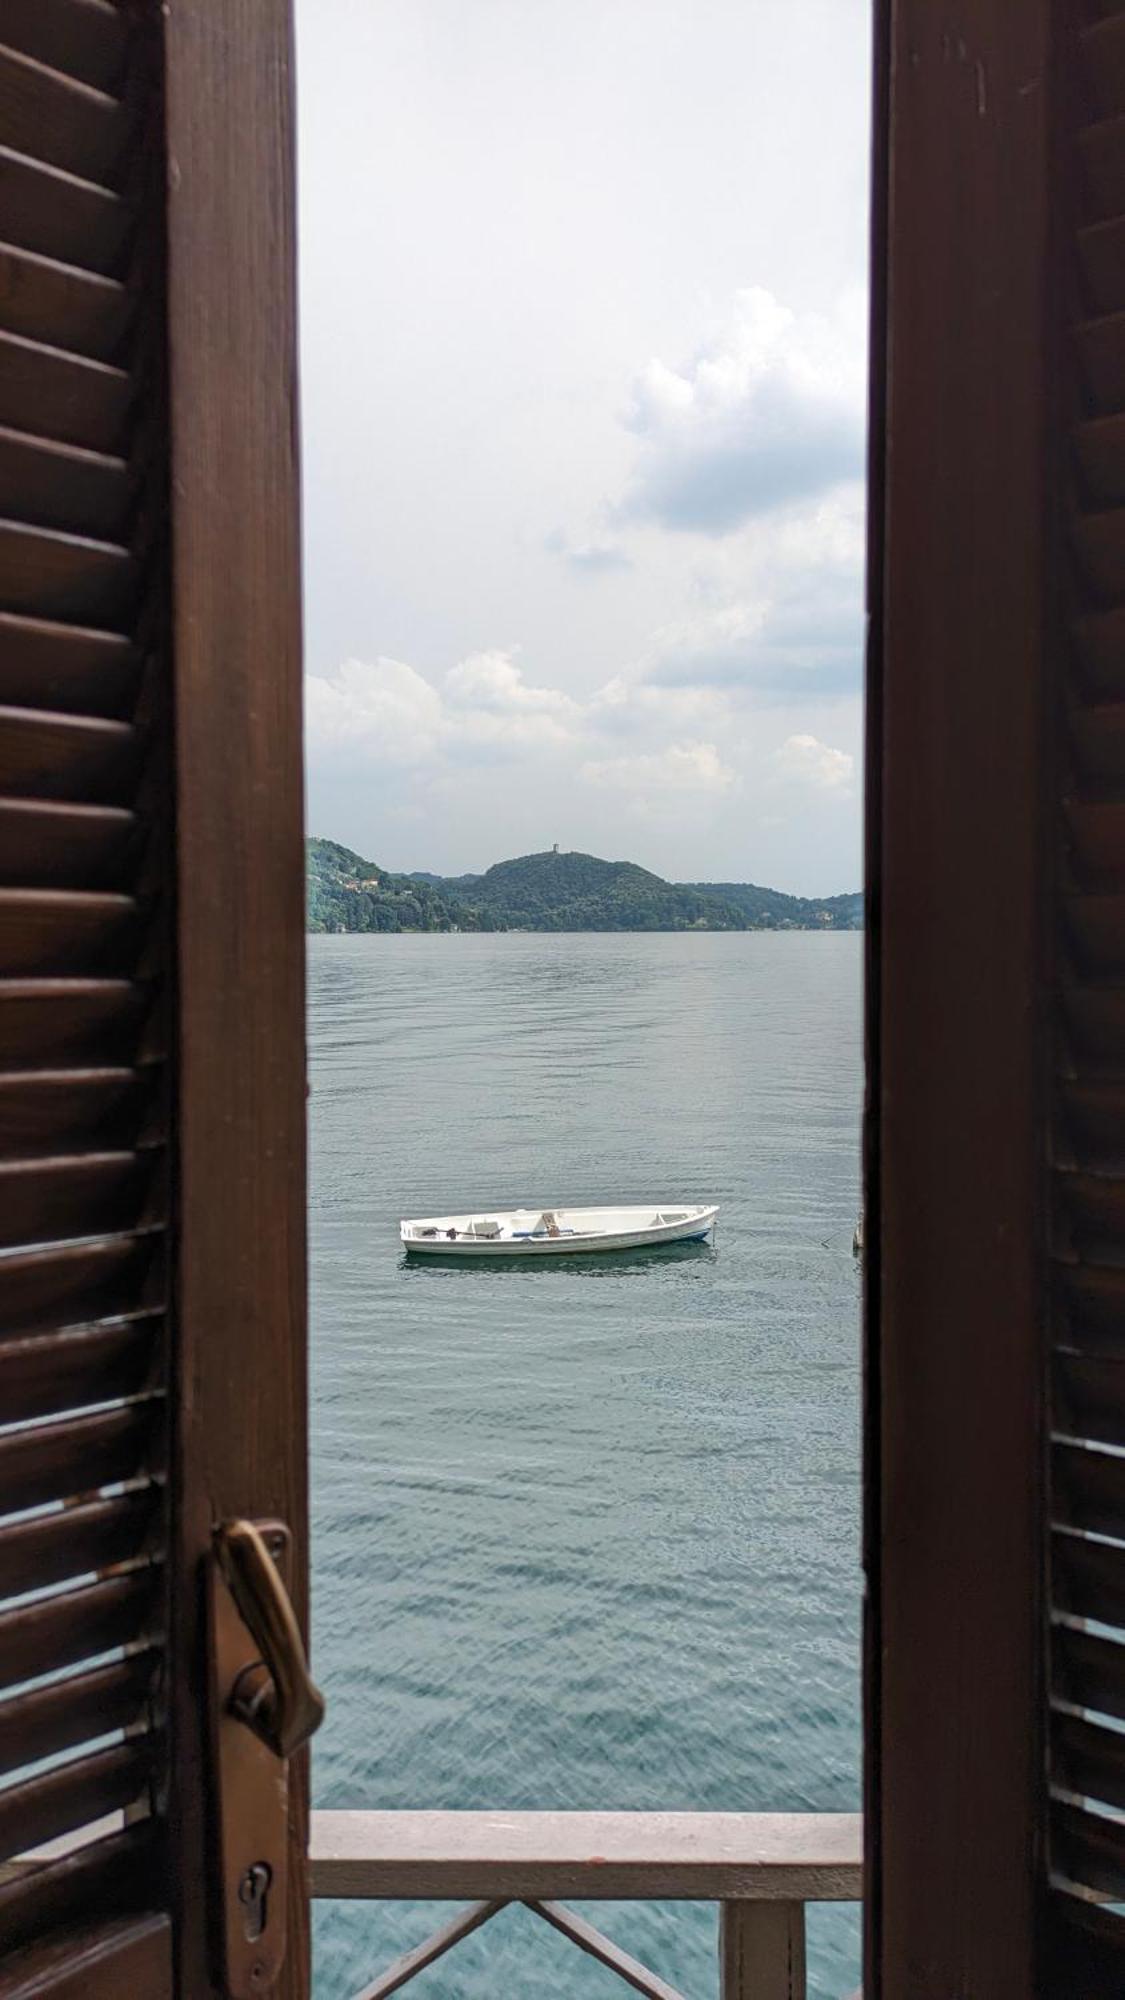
240, 1429
961, 271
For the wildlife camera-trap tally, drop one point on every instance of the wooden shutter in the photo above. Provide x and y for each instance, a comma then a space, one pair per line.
1087, 1407
961, 575
151, 951
996, 1124
85, 989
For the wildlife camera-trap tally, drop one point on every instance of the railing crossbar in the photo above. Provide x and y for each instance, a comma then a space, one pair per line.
584, 1935
412, 1962
760, 1868
597, 1945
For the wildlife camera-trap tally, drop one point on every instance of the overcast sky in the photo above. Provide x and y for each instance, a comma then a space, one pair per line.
582, 305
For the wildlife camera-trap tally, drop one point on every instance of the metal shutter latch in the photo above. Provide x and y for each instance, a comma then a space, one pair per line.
264, 1706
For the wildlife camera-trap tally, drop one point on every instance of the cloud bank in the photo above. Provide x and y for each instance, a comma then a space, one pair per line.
769, 413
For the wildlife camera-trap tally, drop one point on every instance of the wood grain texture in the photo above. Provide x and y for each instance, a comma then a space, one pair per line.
706, 1857
961, 286
87, 1107
53, 846
1086, 1579
76, 310
73, 1794
45, 1721
86, 38
93, 1886
76, 1455
65, 667
60, 216
80, 1540
62, 120
762, 1951
100, 1961
55, 485
236, 633
43, 1374
79, 1625
70, 1283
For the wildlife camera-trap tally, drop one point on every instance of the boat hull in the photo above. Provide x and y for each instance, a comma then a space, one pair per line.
690, 1225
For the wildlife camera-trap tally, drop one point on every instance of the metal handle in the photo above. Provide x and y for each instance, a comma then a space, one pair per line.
276, 1697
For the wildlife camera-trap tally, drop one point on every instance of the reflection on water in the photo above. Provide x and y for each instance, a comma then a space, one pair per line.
585, 1528
575, 1264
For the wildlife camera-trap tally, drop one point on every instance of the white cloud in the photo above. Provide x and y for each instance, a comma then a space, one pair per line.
803, 760
768, 413
592, 558
681, 768
488, 701
777, 615
380, 711
384, 713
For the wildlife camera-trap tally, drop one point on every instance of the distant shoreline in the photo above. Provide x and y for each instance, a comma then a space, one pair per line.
568, 894
616, 930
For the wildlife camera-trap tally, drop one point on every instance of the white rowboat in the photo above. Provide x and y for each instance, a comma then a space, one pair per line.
551, 1232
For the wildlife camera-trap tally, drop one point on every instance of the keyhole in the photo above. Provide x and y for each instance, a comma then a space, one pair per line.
252, 1891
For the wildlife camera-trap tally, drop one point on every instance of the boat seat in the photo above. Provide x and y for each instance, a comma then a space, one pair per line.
485, 1228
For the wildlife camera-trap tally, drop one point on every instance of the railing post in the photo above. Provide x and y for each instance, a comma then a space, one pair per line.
762, 1951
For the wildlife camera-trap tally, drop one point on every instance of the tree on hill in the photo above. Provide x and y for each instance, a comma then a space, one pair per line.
551, 892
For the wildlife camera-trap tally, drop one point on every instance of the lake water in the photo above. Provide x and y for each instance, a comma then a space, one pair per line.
585, 1535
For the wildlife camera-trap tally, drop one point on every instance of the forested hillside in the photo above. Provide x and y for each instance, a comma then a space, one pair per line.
551, 892
347, 893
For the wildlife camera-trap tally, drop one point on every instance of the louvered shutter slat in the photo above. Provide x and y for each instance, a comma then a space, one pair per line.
61, 120
83, 975
1092, 1118
1083, 1752
80, 1194
79, 1365
59, 931
75, 1795
79, 1625
1086, 1238
70, 1282
76, 310
1103, 60
1102, 151
1089, 1578
1098, 734
1088, 1672
76, 1541
81, 757
1090, 1849
54, 1461
76, 400
62, 667
57, 215
1100, 447
63, 485
108, 1875
1099, 344
86, 38
96, 1105
66, 576
65, 846
81, 1020
46, 1721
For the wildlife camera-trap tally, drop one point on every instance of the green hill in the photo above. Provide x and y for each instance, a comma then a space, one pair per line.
347, 893
577, 892
551, 892
773, 910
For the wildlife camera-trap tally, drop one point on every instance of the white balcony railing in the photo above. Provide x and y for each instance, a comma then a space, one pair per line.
761, 1868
